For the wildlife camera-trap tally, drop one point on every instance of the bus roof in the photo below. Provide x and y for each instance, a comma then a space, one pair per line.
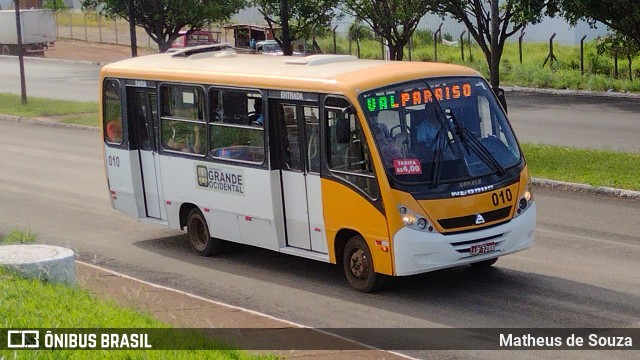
317, 73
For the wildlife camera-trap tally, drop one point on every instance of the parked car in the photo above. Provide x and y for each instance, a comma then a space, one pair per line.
268, 47
271, 47
200, 37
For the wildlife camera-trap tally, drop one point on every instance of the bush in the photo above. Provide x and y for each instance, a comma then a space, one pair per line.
597, 64
598, 83
422, 37
20, 236
567, 79
505, 67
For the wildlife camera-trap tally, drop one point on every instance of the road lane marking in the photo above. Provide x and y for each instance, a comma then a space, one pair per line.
253, 312
582, 237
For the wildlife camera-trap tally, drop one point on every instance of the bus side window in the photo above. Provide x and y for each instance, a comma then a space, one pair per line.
182, 124
232, 137
347, 149
112, 116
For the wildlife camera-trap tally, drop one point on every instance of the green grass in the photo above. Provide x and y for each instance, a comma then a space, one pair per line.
11, 104
90, 119
19, 236
35, 304
593, 167
31, 303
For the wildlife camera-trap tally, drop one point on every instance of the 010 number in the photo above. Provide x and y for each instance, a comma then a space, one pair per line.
502, 197
113, 161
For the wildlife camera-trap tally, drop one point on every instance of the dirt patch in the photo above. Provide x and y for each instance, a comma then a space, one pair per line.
88, 51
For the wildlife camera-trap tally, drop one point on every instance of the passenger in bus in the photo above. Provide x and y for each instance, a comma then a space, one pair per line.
426, 131
189, 143
114, 131
216, 109
390, 151
256, 118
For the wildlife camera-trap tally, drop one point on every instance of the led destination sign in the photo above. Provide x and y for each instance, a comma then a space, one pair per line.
418, 97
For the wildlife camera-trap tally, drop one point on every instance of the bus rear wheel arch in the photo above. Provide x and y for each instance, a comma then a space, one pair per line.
199, 236
357, 263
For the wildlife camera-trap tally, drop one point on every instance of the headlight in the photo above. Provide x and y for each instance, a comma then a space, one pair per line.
408, 219
414, 221
525, 201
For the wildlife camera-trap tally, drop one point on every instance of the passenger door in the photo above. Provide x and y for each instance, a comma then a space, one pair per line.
143, 120
300, 173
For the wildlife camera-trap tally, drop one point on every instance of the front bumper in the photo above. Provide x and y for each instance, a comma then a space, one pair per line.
418, 252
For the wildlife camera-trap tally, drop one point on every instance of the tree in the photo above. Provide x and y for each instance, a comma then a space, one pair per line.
620, 15
299, 19
163, 19
392, 20
492, 22
55, 5
615, 45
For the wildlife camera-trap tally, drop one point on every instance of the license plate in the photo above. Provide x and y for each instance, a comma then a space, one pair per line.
482, 248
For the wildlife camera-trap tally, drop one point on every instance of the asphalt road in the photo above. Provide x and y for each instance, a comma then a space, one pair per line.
51, 78
590, 122
583, 270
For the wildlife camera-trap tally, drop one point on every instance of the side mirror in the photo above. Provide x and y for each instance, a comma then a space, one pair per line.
343, 131
502, 98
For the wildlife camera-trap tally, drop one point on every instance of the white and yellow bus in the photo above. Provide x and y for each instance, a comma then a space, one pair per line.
385, 168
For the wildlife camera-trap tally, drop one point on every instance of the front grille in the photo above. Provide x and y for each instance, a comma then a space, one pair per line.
470, 220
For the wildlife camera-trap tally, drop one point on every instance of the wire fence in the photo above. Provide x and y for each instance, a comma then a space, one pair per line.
90, 27
427, 45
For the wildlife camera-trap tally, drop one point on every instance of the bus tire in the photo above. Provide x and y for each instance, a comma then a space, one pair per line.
358, 266
199, 237
484, 263
6, 50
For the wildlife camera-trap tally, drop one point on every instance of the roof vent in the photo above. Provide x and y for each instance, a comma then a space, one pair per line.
315, 60
188, 51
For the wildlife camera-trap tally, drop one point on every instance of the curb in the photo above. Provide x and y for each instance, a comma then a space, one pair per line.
37, 121
568, 92
62, 61
599, 190
552, 184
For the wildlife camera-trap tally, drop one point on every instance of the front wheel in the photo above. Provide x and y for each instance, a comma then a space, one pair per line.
6, 50
484, 263
199, 236
358, 266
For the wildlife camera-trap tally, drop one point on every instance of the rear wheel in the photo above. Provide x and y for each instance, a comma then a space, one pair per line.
484, 263
199, 236
358, 266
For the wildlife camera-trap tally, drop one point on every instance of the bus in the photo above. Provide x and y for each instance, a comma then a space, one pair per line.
383, 168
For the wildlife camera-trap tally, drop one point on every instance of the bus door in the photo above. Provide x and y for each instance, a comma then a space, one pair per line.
300, 172
143, 120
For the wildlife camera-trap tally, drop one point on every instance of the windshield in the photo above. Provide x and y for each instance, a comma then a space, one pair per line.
440, 130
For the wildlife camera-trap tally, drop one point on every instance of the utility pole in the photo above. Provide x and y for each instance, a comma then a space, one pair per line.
132, 29
495, 28
284, 18
23, 83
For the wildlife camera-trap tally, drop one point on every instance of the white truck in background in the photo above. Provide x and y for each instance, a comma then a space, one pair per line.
38, 31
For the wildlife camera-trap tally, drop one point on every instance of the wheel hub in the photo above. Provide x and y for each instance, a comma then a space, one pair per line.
358, 263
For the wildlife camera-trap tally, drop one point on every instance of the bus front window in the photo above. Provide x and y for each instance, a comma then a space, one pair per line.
440, 130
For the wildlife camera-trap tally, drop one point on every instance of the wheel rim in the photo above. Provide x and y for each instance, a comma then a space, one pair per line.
198, 234
359, 264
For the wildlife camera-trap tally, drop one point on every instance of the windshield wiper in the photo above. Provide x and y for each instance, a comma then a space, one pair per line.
437, 164
469, 138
